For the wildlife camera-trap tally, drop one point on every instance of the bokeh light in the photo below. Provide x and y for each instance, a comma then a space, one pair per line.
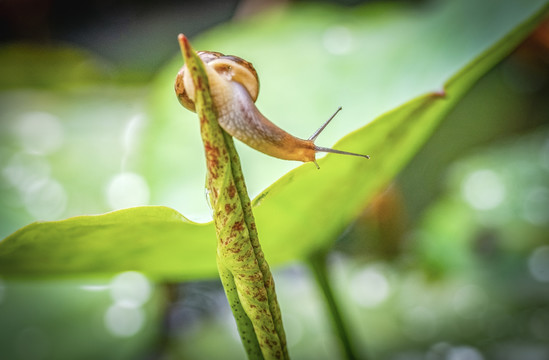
369, 287
45, 200
130, 291
124, 321
42, 196
127, 189
24, 170
95, 287
131, 288
39, 133
483, 189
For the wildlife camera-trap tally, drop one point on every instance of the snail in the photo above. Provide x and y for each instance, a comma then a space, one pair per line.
234, 87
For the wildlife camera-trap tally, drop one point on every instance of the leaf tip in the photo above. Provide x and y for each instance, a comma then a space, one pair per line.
182, 39
184, 44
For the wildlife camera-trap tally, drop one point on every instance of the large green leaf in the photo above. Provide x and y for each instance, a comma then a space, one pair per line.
154, 239
396, 54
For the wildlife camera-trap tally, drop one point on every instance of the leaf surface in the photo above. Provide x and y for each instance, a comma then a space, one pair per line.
153, 239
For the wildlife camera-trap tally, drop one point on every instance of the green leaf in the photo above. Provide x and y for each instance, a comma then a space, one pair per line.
153, 239
425, 58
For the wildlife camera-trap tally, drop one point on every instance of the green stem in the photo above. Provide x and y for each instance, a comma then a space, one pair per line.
243, 322
317, 262
268, 280
245, 274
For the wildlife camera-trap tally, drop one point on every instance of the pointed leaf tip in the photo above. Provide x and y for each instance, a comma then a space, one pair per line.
184, 44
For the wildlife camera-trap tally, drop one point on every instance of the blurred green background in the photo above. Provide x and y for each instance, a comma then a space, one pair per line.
451, 261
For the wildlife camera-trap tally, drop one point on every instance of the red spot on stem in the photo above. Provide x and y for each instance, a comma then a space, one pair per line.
234, 250
238, 226
203, 120
231, 190
212, 155
229, 209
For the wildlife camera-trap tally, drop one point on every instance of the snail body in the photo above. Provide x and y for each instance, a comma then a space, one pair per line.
234, 87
